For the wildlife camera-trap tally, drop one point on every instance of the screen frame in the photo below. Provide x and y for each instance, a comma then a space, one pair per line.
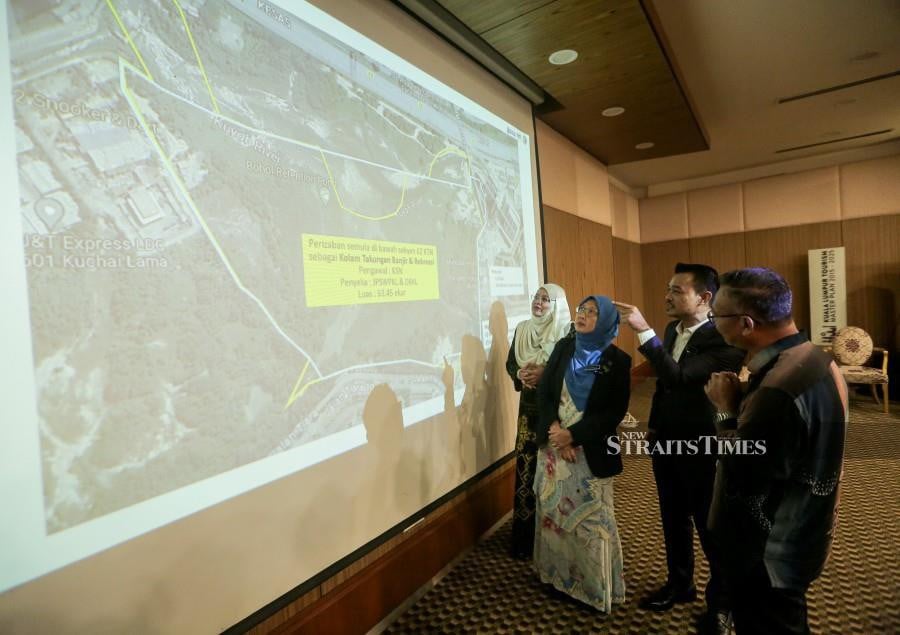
18, 287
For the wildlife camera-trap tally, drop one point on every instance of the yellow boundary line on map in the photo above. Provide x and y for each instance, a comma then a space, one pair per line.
297, 394
445, 151
127, 35
298, 390
197, 55
294, 394
331, 180
448, 150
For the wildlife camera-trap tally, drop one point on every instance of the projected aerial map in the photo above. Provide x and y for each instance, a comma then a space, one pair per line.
235, 226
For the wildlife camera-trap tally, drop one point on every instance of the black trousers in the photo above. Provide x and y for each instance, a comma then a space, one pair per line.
759, 609
685, 488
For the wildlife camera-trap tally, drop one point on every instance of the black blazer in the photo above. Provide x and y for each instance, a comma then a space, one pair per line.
680, 408
606, 405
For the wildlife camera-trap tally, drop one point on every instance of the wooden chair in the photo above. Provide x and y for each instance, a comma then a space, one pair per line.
852, 348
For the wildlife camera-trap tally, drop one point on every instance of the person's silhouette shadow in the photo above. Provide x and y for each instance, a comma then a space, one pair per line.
473, 364
499, 432
450, 421
383, 420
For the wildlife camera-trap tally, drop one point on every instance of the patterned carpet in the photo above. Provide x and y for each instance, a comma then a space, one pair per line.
488, 592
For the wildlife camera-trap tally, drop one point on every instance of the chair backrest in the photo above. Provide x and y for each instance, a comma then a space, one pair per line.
851, 346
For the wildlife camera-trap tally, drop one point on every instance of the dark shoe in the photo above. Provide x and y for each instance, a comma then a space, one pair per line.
716, 623
666, 597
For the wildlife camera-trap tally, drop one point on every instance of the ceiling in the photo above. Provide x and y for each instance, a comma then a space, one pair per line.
703, 79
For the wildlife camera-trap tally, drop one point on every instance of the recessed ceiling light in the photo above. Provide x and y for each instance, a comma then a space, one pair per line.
644, 145
613, 111
564, 56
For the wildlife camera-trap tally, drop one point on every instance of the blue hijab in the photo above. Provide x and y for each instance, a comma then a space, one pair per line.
589, 347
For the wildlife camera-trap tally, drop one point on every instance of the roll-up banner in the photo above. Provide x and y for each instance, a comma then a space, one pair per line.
827, 293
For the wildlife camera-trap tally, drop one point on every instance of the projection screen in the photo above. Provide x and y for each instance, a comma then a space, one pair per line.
260, 262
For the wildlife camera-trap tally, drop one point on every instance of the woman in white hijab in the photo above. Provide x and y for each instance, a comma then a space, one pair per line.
532, 344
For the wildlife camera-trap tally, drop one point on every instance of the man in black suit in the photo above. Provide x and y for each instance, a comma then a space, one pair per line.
690, 352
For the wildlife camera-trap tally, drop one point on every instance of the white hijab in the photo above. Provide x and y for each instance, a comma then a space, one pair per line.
536, 336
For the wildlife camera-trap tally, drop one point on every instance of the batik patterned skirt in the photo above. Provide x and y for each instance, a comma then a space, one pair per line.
577, 547
523, 500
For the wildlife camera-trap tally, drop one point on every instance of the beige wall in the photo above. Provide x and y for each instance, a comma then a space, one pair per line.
838, 193
574, 182
773, 221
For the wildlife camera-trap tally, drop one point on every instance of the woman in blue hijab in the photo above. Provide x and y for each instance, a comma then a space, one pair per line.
582, 397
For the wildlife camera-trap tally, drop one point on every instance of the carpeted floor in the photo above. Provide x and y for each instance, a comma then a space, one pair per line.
488, 592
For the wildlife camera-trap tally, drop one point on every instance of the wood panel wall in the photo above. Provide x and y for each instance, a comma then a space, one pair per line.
873, 277
628, 276
784, 250
873, 267
564, 264
595, 256
584, 258
658, 263
723, 253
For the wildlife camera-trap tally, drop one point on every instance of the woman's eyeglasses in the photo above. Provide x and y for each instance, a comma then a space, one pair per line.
542, 299
587, 311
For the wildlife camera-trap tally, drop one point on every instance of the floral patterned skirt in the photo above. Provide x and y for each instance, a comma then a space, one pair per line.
577, 547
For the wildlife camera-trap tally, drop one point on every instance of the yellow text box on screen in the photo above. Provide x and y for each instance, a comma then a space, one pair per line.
340, 271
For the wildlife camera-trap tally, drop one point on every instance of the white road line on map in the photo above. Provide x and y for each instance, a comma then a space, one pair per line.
302, 144
123, 85
416, 362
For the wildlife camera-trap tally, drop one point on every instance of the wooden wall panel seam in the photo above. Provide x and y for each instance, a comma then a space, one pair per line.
687, 214
840, 191
744, 212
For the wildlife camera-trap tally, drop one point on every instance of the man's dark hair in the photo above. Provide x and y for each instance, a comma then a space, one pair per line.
760, 293
704, 277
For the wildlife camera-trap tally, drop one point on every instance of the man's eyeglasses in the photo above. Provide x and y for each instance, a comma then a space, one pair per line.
588, 311
712, 317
